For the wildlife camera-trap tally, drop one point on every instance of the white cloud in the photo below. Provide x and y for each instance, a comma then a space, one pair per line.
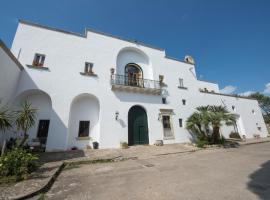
247, 93
229, 89
267, 88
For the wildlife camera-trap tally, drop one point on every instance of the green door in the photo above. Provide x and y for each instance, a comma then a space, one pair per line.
137, 126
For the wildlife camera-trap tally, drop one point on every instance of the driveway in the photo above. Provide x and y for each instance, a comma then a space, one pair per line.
238, 173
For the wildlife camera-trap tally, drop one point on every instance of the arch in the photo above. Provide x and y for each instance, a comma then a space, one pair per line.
133, 75
136, 56
43, 103
137, 126
84, 111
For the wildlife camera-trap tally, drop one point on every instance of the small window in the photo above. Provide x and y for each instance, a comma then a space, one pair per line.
181, 82
164, 100
253, 112
88, 68
233, 108
166, 121
84, 128
180, 122
184, 101
39, 60
259, 128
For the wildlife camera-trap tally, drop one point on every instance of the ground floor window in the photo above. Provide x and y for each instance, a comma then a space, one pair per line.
167, 126
84, 128
43, 128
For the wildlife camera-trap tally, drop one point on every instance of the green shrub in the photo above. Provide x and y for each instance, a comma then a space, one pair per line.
18, 163
201, 143
234, 135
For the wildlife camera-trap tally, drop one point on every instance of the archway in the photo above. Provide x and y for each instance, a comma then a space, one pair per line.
41, 101
137, 126
83, 121
133, 75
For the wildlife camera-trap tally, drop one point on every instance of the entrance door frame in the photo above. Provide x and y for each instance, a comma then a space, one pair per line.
130, 131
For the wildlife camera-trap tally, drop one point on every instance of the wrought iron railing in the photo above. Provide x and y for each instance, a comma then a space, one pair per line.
134, 82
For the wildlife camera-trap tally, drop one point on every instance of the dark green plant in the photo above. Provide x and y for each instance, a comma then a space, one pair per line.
209, 116
25, 119
201, 143
18, 163
5, 118
218, 115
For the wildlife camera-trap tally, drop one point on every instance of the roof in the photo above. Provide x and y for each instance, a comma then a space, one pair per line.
12, 57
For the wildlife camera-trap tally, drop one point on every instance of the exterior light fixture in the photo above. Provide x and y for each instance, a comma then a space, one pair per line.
116, 115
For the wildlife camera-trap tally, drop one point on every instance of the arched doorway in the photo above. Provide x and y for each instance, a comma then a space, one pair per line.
134, 75
137, 126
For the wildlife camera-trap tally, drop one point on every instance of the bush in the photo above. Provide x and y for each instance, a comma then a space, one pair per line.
201, 143
18, 163
234, 135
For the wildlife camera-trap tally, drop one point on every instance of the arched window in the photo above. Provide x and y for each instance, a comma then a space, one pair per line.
133, 75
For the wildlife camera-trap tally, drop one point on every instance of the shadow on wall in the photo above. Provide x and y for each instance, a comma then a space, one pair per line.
30, 93
260, 181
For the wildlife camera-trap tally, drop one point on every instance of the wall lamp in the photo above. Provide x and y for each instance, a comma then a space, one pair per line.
116, 115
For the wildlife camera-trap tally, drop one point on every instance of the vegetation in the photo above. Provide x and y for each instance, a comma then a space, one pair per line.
264, 103
17, 163
25, 119
206, 122
5, 119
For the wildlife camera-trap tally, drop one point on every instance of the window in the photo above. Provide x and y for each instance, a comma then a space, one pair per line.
253, 112
84, 128
88, 68
233, 108
259, 128
180, 122
164, 100
39, 60
166, 122
184, 101
181, 82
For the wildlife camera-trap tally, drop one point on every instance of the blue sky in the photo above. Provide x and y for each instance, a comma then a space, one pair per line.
229, 39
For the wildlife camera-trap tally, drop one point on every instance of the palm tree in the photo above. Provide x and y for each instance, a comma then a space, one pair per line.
5, 119
218, 115
25, 119
200, 121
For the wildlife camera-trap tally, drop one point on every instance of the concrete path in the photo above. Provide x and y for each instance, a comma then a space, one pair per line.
239, 173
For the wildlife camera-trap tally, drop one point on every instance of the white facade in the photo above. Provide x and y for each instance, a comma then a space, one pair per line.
64, 96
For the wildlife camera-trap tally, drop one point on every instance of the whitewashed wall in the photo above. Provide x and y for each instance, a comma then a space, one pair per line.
9, 74
65, 58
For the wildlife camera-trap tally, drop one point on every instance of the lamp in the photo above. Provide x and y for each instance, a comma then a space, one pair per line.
116, 115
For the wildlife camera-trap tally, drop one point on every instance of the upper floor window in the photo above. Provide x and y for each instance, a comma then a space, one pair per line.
184, 101
133, 75
181, 82
88, 68
39, 60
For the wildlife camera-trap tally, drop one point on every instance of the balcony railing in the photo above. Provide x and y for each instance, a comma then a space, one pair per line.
133, 84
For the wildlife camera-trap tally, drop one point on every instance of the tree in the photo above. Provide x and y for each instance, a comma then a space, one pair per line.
198, 122
5, 119
206, 116
218, 115
264, 103
25, 119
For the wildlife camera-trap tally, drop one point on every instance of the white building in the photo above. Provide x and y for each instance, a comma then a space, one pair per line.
99, 87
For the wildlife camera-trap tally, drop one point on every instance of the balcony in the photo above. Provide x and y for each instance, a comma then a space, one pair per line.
136, 85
